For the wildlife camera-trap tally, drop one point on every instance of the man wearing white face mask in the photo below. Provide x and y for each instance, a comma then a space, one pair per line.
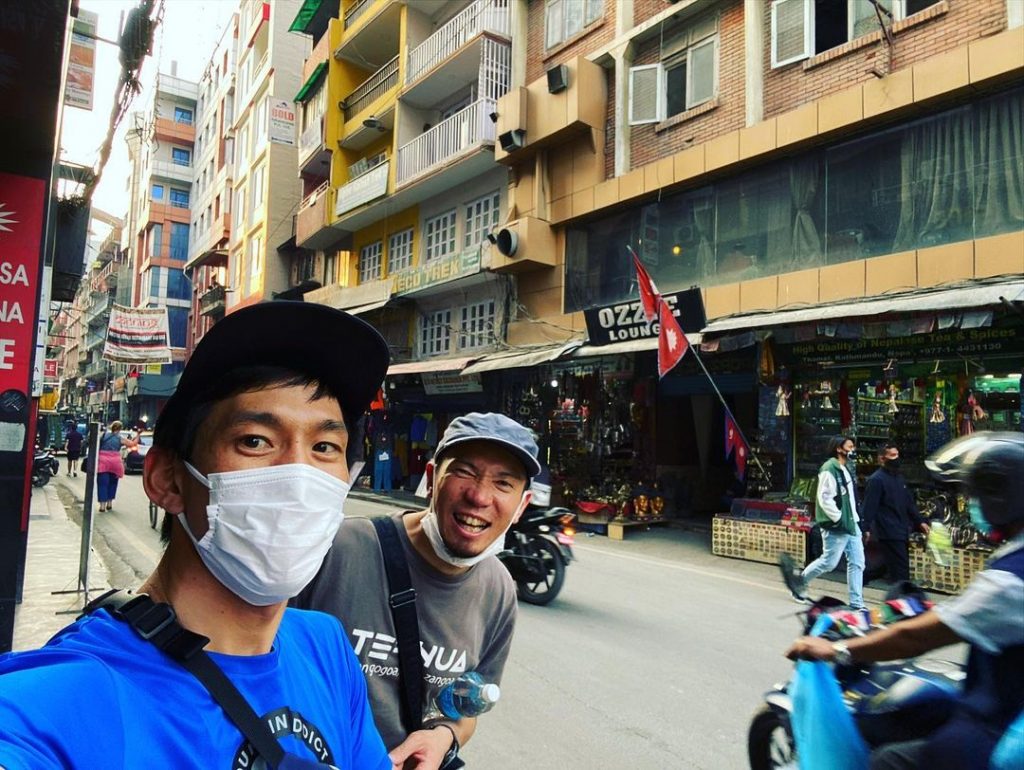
478, 485
249, 459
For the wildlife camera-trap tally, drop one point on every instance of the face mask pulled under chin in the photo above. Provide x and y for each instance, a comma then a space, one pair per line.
433, 533
269, 528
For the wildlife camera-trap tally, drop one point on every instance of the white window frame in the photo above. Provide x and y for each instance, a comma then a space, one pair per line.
255, 260
330, 268
592, 12
477, 325
662, 68
439, 235
482, 217
435, 333
659, 91
899, 12
400, 247
370, 261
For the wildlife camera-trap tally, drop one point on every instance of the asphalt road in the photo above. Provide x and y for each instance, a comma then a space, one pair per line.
655, 655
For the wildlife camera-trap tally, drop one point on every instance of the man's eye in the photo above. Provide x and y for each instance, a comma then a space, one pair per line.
253, 442
504, 486
326, 446
463, 473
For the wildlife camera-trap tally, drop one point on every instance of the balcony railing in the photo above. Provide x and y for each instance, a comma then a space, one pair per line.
312, 198
355, 11
211, 301
362, 189
447, 140
181, 171
481, 16
378, 84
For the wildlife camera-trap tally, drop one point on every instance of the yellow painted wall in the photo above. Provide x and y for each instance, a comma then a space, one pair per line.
380, 231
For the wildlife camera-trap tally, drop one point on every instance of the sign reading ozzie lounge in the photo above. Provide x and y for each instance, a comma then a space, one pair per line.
625, 321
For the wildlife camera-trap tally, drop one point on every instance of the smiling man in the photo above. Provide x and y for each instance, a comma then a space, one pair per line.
249, 460
478, 484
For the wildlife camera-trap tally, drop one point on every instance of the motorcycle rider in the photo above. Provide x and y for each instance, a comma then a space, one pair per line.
989, 615
479, 485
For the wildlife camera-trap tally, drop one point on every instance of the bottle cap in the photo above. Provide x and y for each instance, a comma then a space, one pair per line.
490, 693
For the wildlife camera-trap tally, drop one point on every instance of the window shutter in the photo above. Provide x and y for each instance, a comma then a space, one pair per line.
553, 34
792, 31
701, 72
645, 94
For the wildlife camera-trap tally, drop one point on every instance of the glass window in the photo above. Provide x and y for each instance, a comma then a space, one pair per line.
155, 288
255, 263
180, 157
178, 285
179, 240
182, 115
440, 235
156, 237
481, 218
157, 192
477, 325
400, 251
179, 198
177, 325
369, 262
435, 333
565, 18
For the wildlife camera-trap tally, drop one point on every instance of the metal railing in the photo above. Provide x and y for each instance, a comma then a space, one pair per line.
355, 11
447, 140
211, 300
312, 198
363, 189
481, 16
378, 84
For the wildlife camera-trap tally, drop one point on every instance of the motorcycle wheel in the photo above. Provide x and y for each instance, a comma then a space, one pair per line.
543, 591
769, 744
40, 479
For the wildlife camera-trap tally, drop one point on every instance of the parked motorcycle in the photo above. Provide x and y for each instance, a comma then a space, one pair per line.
538, 548
44, 467
890, 702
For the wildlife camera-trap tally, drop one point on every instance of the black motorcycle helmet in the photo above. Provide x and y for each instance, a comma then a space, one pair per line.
990, 467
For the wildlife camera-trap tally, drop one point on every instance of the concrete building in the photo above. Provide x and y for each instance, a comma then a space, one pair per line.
161, 149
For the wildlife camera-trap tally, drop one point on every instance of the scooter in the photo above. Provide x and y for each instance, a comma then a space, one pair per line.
44, 467
538, 548
890, 702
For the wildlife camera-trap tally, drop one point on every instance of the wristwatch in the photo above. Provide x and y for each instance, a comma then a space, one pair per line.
453, 750
842, 654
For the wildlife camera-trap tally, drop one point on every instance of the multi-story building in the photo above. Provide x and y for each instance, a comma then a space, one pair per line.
266, 195
840, 181
161, 149
212, 187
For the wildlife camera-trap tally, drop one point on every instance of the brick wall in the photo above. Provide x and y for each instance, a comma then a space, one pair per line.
645, 9
937, 29
726, 113
538, 60
609, 126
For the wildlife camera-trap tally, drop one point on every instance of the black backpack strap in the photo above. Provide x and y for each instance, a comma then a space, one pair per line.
157, 623
402, 600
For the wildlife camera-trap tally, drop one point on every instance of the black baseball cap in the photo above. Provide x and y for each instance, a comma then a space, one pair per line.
344, 353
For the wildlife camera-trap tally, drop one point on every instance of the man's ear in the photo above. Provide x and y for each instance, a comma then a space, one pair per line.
162, 479
524, 503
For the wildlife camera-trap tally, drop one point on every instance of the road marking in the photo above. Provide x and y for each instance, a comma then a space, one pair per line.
681, 567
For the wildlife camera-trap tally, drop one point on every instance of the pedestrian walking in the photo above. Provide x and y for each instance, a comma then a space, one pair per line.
835, 512
73, 447
478, 485
890, 513
206, 666
110, 466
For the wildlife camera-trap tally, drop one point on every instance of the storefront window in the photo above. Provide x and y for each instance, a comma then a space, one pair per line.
951, 177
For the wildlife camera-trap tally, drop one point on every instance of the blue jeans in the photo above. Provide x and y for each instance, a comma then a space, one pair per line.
834, 545
382, 474
106, 487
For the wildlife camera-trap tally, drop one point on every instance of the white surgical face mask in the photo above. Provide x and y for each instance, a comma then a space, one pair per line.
433, 533
269, 528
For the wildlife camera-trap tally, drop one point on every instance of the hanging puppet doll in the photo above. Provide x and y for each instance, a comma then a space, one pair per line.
782, 393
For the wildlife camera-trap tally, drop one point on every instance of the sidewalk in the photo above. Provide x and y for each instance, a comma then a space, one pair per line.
54, 545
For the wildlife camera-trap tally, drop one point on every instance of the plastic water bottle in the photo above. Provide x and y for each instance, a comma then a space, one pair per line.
467, 696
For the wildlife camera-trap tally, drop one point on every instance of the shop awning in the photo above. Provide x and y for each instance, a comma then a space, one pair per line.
305, 15
366, 308
429, 365
311, 81
513, 359
627, 346
945, 299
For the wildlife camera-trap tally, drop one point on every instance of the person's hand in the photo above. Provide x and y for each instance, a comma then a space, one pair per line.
422, 750
811, 648
925, 528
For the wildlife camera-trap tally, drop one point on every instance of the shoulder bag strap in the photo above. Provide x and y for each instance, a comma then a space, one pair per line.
402, 600
157, 623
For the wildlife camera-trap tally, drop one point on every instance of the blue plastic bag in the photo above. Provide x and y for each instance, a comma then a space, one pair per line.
1009, 753
825, 734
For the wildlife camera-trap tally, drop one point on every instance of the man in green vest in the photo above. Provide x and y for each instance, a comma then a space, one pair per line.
835, 512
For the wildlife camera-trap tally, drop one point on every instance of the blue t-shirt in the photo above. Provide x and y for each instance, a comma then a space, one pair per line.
110, 442
99, 696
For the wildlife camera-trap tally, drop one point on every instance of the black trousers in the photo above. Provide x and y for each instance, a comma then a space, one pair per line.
894, 564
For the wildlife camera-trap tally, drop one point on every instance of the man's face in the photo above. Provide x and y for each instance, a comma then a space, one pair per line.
891, 453
848, 446
477, 494
262, 428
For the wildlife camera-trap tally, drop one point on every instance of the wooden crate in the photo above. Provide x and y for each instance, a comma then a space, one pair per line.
756, 541
963, 565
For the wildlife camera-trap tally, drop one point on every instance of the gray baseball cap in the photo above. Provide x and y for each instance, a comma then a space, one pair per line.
497, 428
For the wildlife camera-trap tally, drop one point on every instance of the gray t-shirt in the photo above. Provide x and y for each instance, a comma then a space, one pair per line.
466, 622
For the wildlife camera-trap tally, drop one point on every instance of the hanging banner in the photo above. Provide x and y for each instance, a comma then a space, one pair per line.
439, 383
137, 335
282, 122
82, 61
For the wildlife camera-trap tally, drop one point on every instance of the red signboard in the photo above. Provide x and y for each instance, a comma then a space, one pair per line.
21, 227
50, 370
